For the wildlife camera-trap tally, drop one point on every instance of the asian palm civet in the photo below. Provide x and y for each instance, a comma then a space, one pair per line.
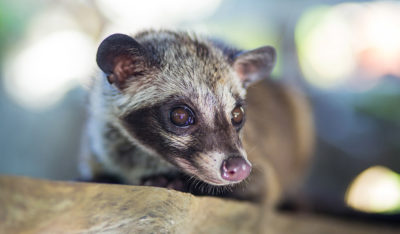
169, 109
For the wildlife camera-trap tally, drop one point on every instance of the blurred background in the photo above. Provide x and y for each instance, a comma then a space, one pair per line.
344, 55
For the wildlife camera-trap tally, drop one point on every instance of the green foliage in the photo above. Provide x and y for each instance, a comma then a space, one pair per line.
382, 103
14, 16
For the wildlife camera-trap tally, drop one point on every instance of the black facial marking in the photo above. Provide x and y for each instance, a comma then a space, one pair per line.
222, 137
152, 125
170, 105
148, 124
143, 123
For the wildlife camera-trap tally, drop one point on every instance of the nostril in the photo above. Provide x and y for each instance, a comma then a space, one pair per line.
235, 169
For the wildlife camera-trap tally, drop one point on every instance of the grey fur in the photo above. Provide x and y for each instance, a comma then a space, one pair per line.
127, 131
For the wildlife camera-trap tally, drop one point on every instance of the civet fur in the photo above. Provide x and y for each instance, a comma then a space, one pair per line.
129, 134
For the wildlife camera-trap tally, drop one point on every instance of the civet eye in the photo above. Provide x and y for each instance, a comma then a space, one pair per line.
237, 115
182, 116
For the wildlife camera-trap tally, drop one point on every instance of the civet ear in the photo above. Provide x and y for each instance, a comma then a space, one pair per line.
121, 57
254, 65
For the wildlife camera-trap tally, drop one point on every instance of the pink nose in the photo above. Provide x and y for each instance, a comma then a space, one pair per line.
235, 169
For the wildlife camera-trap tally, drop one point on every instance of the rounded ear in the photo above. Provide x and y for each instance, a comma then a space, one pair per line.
121, 57
254, 65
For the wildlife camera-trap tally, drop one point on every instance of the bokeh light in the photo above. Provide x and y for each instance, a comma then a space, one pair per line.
324, 47
376, 190
58, 49
131, 16
40, 74
378, 37
350, 41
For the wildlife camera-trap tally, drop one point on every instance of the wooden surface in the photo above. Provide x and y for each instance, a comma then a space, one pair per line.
42, 206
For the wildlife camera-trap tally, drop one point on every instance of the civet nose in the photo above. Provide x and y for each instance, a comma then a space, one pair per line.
235, 169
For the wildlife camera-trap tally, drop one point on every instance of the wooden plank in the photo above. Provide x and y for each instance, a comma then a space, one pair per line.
42, 206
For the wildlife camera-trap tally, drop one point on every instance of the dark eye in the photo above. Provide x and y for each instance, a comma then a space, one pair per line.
182, 116
237, 115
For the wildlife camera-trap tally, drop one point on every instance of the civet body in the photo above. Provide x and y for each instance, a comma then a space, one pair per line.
169, 109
